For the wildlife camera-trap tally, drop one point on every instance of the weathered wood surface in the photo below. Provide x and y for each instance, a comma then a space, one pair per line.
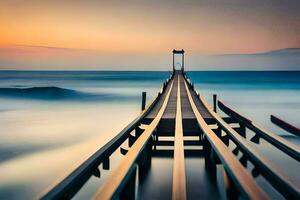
187, 112
179, 177
240, 176
170, 112
201, 108
152, 114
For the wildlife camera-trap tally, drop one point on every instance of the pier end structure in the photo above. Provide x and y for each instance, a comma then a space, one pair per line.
178, 52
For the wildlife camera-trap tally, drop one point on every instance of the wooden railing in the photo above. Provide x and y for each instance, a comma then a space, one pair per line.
179, 178
284, 125
241, 178
121, 183
279, 142
284, 184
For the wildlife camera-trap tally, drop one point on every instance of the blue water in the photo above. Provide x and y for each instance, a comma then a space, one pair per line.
50, 121
256, 94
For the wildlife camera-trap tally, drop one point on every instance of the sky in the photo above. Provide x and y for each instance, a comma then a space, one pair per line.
140, 29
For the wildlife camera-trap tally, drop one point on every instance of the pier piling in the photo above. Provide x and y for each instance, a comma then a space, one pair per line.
215, 102
143, 100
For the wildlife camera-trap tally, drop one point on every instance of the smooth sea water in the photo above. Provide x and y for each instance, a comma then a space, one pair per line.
50, 121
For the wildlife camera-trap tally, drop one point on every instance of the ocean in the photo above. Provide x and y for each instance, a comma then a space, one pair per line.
51, 121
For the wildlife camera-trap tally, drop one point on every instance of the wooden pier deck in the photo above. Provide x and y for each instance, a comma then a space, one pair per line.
179, 124
167, 124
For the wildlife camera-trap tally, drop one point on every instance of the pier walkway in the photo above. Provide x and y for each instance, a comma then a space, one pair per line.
182, 128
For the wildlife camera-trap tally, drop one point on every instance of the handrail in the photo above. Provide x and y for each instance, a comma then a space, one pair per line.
179, 178
285, 125
286, 186
240, 176
116, 181
279, 142
70, 185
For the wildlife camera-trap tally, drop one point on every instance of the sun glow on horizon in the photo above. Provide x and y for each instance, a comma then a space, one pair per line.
138, 28
141, 26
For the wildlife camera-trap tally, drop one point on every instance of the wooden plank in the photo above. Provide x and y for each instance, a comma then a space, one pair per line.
179, 177
204, 113
168, 153
68, 187
240, 176
279, 142
152, 114
187, 112
284, 125
284, 184
170, 112
171, 143
115, 183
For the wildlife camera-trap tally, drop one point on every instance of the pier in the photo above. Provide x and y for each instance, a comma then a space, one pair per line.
180, 125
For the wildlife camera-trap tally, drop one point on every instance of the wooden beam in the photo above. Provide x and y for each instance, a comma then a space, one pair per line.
171, 143
168, 153
241, 178
284, 125
282, 144
284, 184
179, 177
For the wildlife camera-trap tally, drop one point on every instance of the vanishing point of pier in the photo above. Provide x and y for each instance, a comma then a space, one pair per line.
180, 125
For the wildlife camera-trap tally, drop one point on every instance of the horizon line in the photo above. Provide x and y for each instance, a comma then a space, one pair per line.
96, 50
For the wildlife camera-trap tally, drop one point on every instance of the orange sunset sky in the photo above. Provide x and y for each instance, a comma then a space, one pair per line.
141, 27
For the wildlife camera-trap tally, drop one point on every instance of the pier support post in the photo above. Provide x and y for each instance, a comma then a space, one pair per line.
138, 131
129, 190
131, 140
106, 164
145, 160
210, 164
165, 85
241, 130
215, 102
218, 131
155, 140
225, 139
231, 190
143, 100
